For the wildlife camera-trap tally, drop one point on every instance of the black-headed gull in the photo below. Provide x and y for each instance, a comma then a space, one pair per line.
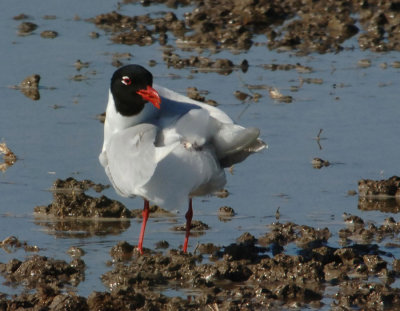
166, 147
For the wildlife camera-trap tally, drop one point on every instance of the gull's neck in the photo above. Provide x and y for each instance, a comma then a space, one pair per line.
116, 122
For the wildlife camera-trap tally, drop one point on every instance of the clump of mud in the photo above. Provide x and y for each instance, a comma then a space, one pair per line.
69, 200
83, 205
75, 214
371, 296
204, 64
29, 87
49, 34
382, 195
26, 28
379, 188
9, 157
39, 271
46, 298
226, 213
304, 236
275, 94
319, 163
73, 185
155, 211
359, 231
12, 243
197, 228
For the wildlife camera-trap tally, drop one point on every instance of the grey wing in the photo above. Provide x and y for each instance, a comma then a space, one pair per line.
235, 143
130, 159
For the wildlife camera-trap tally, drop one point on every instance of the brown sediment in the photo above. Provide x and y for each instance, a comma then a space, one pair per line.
239, 276
382, 195
286, 25
69, 200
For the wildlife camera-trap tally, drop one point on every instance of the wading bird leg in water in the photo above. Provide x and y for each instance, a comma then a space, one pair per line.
145, 215
188, 216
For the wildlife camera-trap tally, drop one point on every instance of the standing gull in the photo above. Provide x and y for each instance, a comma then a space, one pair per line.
166, 147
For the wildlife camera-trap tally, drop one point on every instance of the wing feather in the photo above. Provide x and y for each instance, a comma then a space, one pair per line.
131, 158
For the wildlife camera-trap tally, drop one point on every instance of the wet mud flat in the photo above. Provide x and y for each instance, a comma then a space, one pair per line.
254, 273
305, 26
289, 266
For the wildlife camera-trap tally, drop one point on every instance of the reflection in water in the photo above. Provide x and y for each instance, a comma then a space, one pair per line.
224, 218
76, 214
81, 228
9, 157
197, 228
386, 205
11, 243
30, 87
226, 213
32, 93
319, 163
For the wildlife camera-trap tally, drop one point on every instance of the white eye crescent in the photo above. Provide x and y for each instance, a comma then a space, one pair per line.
126, 80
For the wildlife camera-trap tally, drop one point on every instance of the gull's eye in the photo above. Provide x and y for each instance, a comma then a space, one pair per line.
126, 80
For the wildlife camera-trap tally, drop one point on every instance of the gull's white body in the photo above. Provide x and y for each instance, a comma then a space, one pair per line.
167, 155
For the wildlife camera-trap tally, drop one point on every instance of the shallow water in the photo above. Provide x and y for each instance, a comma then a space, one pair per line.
357, 108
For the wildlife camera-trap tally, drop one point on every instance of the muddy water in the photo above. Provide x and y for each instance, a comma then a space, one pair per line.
59, 136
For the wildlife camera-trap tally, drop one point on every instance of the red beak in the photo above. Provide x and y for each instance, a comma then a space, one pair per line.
150, 95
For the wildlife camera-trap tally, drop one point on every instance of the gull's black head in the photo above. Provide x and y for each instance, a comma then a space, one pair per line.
131, 87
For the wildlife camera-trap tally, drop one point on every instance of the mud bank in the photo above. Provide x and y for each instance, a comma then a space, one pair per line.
305, 26
254, 273
251, 274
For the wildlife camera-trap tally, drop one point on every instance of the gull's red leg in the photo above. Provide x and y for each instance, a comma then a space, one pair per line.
145, 215
188, 216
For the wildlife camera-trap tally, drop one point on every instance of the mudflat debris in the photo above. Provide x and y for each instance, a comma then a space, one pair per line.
12, 243
303, 26
49, 34
240, 276
275, 94
70, 184
69, 200
382, 195
29, 87
9, 158
26, 28
38, 271
82, 205
319, 163
379, 188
